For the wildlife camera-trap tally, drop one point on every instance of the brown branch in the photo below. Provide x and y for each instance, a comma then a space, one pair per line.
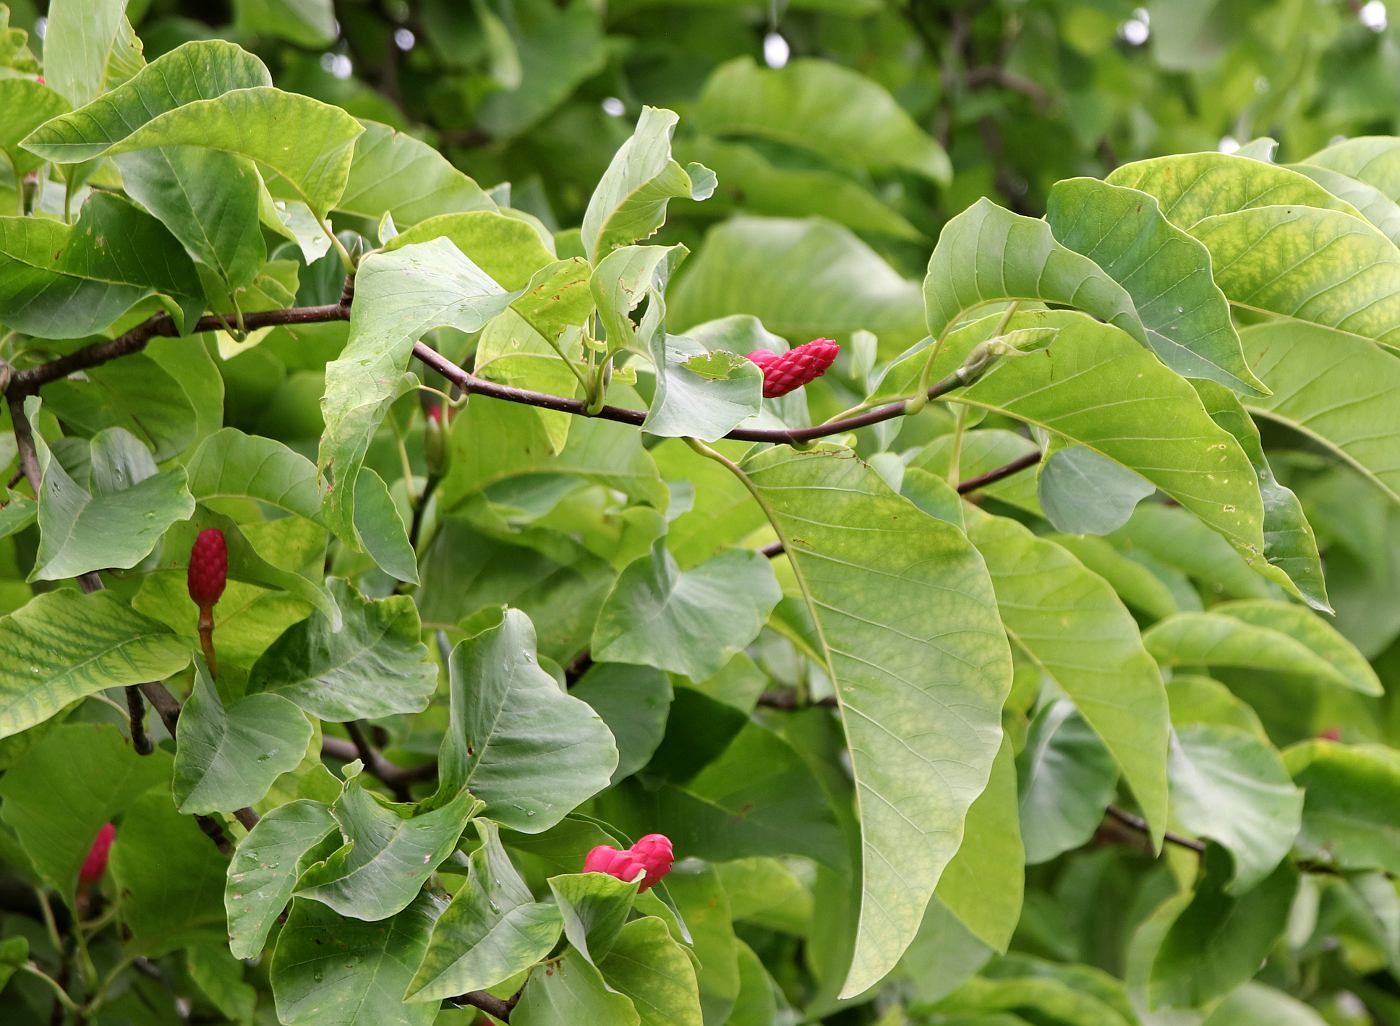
1017, 465
136, 713
488, 1003
1139, 824
391, 774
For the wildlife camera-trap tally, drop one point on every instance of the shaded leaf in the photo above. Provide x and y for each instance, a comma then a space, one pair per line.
264, 870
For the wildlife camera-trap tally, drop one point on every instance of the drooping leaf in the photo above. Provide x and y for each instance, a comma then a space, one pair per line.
264, 870
1233, 788
1165, 271
387, 855
63, 645
531, 752
1076, 630
861, 125
687, 621
700, 393
398, 297
571, 992
508, 249
648, 966
898, 659
987, 254
491, 930
630, 201
1065, 780
227, 757
375, 664
330, 971
1351, 799
594, 907
393, 173
1311, 630
61, 792
381, 528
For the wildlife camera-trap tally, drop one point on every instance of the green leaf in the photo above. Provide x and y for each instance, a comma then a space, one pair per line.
232, 465
700, 393
595, 907
1165, 271
375, 665
572, 992
1308, 268
1351, 804
264, 870
1289, 544
381, 529
1065, 779
228, 756
1257, 1005
838, 114
171, 887
987, 254
307, 23
1094, 386
655, 972
137, 395
63, 645
119, 521
1077, 632
1135, 584
78, 41
624, 278
388, 853
506, 248
14, 952
27, 105
633, 701
531, 752
396, 174
630, 201
686, 621
1083, 492
557, 298
984, 882
802, 279
1174, 545
1195, 186
1372, 159
329, 971
1314, 375
187, 74
1314, 632
1370, 202
491, 930
61, 792
1217, 942
398, 297
1232, 787
898, 659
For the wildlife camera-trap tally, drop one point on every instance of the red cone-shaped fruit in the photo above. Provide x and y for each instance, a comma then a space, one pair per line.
208, 571
784, 372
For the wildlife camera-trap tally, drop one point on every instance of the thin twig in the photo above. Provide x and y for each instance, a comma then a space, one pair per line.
136, 712
488, 1003
391, 774
1017, 465
1139, 824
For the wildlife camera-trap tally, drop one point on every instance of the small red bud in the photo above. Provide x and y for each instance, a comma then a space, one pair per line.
208, 571
96, 862
785, 372
1331, 734
39, 79
650, 858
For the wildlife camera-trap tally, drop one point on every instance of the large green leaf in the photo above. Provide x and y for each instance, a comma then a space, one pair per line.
1065, 780
899, 658
1195, 186
1232, 787
59, 794
515, 739
264, 870
63, 645
1322, 267
572, 992
113, 522
1351, 804
491, 930
634, 702
228, 756
1165, 271
1372, 203
1082, 492
394, 173
687, 621
232, 465
508, 249
820, 106
1313, 631
27, 105
630, 201
375, 664
647, 965
594, 907
1218, 941
78, 43
171, 887
329, 971
700, 393
803, 279
1076, 630
987, 254
398, 297
1096, 387
1372, 159
1314, 374
387, 856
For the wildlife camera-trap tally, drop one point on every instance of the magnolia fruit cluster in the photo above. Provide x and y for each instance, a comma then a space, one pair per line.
785, 372
650, 858
96, 862
208, 572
